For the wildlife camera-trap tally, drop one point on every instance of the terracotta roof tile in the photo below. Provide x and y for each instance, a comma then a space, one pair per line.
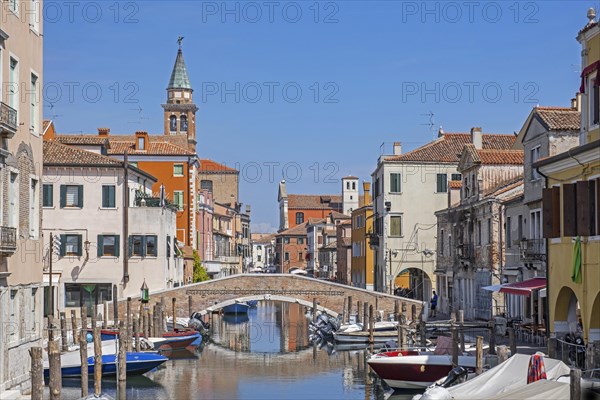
155, 147
501, 157
82, 140
157, 144
298, 230
448, 148
59, 154
213, 166
559, 118
310, 201
504, 186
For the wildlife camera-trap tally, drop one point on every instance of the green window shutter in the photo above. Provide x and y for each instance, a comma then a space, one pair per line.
80, 195
143, 246
130, 249
63, 196
155, 245
63, 243
100, 246
117, 246
79, 249
105, 197
112, 196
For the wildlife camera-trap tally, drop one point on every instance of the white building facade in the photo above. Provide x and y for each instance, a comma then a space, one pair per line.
108, 247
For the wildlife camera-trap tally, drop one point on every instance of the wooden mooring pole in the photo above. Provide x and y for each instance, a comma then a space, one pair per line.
122, 352
63, 332
371, 325
74, 329
55, 383
37, 373
83, 355
479, 355
314, 310
365, 316
97, 362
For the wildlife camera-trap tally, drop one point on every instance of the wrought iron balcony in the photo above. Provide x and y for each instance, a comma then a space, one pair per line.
8, 240
8, 120
465, 251
532, 249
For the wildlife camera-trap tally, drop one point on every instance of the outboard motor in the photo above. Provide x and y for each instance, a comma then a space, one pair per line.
455, 376
197, 323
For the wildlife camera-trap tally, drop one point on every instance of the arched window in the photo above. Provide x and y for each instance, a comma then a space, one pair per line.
173, 123
183, 123
299, 218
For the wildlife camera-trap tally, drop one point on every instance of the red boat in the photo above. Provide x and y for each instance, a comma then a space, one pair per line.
411, 369
179, 340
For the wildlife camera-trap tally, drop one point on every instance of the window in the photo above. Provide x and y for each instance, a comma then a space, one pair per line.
535, 224
348, 185
34, 111
594, 101
353, 185
286, 240
489, 229
442, 183
70, 245
450, 245
141, 143
178, 170
206, 185
395, 183
136, 246
108, 245
299, 218
48, 200
184, 124
456, 177
299, 256
151, 246
376, 189
535, 155
286, 256
13, 200
108, 196
300, 241
14, 306
71, 196
466, 187
34, 15
441, 249
479, 233
258, 258
396, 225
13, 82
89, 294
173, 123
520, 227
178, 199
508, 232
13, 5
34, 215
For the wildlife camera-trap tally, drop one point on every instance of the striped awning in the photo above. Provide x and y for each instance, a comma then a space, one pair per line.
524, 288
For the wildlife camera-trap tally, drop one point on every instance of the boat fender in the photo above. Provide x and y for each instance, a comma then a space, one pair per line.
399, 354
436, 393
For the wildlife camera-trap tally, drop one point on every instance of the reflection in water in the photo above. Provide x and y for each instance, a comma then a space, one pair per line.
265, 355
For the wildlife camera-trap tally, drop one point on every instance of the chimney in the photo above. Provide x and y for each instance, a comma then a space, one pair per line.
367, 190
103, 131
476, 137
576, 102
397, 148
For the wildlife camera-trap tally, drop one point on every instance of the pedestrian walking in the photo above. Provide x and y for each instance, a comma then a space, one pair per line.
434, 300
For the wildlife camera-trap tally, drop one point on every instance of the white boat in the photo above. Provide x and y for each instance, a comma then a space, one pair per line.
379, 326
507, 380
180, 323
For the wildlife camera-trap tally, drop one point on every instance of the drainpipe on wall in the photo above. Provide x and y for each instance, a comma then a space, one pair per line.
125, 219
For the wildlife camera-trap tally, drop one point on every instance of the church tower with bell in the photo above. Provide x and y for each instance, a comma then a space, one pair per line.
180, 110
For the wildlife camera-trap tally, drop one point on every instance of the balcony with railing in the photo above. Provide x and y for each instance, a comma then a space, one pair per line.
8, 240
532, 249
8, 120
465, 251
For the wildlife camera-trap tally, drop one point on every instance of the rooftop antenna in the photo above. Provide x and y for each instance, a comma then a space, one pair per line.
140, 115
430, 124
381, 148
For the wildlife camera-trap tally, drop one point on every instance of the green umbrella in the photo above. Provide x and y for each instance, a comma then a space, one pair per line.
576, 275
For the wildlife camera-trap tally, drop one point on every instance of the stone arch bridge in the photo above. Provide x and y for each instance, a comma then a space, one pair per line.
212, 295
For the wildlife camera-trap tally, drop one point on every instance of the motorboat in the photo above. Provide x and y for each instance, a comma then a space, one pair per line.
179, 340
236, 308
136, 362
413, 369
508, 380
379, 326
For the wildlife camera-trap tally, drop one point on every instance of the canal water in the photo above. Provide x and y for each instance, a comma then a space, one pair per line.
263, 355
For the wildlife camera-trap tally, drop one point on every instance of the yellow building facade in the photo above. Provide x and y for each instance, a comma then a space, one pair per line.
362, 269
571, 210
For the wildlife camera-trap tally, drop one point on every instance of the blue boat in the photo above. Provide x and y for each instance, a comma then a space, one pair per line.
137, 363
252, 303
236, 308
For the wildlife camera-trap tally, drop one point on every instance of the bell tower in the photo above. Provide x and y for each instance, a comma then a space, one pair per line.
180, 109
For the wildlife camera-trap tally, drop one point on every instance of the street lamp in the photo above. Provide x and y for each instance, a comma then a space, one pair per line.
144, 293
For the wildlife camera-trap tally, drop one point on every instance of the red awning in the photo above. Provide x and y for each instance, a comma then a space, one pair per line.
524, 288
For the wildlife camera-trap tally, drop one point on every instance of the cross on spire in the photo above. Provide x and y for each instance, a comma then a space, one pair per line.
179, 40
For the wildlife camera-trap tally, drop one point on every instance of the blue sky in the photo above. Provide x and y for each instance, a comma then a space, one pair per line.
310, 90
